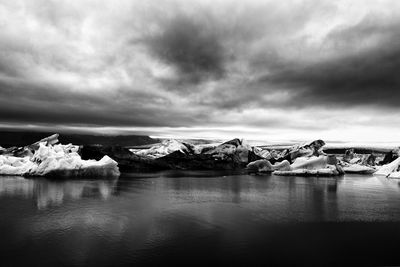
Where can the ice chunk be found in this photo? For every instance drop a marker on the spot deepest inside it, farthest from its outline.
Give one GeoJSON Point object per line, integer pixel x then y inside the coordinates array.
{"type": "Point", "coordinates": [164, 148]}
{"type": "Point", "coordinates": [387, 169]}
{"type": "Point", "coordinates": [309, 163]}
{"type": "Point", "coordinates": [264, 165]}
{"type": "Point", "coordinates": [313, 166]}
{"type": "Point", "coordinates": [263, 153]}
{"type": "Point", "coordinates": [232, 148]}
{"type": "Point", "coordinates": [10, 165]}
{"type": "Point", "coordinates": [327, 171]}
{"type": "Point", "coordinates": [50, 159]}
{"type": "Point", "coordinates": [394, 175]}
{"type": "Point", "coordinates": [358, 168]}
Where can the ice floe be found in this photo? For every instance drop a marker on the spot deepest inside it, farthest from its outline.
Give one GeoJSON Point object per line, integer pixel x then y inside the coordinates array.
{"type": "Point", "coordinates": [390, 170]}
{"type": "Point", "coordinates": [313, 166]}
{"type": "Point", "coordinates": [164, 148]}
{"type": "Point", "coordinates": [358, 169]}
{"type": "Point", "coordinates": [47, 158]}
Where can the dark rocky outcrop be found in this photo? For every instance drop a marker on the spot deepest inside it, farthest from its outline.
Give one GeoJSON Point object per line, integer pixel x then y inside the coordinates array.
{"type": "Point", "coordinates": [127, 161]}
{"type": "Point", "coordinates": [227, 156]}
{"type": "Point", "coordinates": [179, 160]}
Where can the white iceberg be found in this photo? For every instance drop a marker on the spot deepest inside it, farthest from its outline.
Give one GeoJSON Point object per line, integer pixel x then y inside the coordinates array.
{"type": "Point", "coordinates": [234, 150]}
{"type": "Point", "coordinates": [234, 147]}
{"type": "Point", "coordinates": [312, 166]}
{"type": "Point", "coordinates": [263, 165]}
{"type": "Point", "coordinates": [394, 175]}
{"type": "Point", "coordinates": [329, 170]}
{"type": "Point", "coordinates": [309, 163]}
{"type": "Point", "coordinates": [358, 169]}
{"type": "Point", "coordinates": [390, 169]}
{"type": "Point", "coordinates": [164, 148]}
{"type": "Point", "coordinates": [263, 153]}
{"type": "Point", "coordinates": [51, 159]}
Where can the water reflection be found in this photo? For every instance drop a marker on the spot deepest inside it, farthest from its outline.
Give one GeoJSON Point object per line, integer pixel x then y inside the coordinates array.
{"type": "Point", "coordinates": [153, 218]}
{"type": "Point", "coordinates": [48, 193]}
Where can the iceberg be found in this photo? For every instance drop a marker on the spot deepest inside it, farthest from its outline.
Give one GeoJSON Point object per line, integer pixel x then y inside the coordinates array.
{"type": "Point", "coordinates": [327, 171]}
{"type": "Point", "coordinates": [233, 148]}
{"type": "Point", "coordinates": [359, 169]}
{"type": "Point", "coordinates": [263, 165]}
{"type": "Point", "coordinates": [173, 154]}
{"type": "Point", "coordinates": [309, 163]}
{"type": "Point", "coordinates": [307, 159]}
{"type": "Point", "coordinates": [167, 147]}
{"type": "Point", "coordinates": [164, 148]}
{"type": "Point", "coordinates": [390, 169]}
{"type": "Point", "coordinates": [47, 158]}
{"type": "Point", "coordinates": [394, 175]}
{"type": "Point", "coordinates": [262, 153]}
{"type": "Point", "coordinates": [313, 166]}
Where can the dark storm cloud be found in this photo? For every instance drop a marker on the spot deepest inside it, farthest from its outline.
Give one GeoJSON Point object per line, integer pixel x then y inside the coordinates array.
{"type": "Point", "coordinates": [192, 47]}
{"type": "Point", "coordinates": [209, 42]}
{"type": "Point", "coordinates": [358, 76]}
{"type": "Point", "coordinates": [46, 103]}
{"type": "Point", "coordinates": [177, 63]}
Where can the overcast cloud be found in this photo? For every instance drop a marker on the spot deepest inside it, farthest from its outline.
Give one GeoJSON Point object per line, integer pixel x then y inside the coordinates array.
{"type": "Point", "coordinates": [258, 69]}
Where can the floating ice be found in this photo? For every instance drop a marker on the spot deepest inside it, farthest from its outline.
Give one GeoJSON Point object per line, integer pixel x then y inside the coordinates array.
{"type": "Point", "coordinates": [263, 165]}
{"type": "Point", "coordinates": [389, 170]}
{"type": "Point", "coordinates": [394, 175]}
{"type": "Point", "coordinates": [309, 163]}
{"type": "Point", "coordinates": [50, 159]}
{"type": "Point", "coordinates": [359, 169]}
{"type": "Point", "coordinates": [329, 170]}
{"type": "Point", "coordinates": [313, 166]}
{"type": "Point", "coordinates": [164, 148]}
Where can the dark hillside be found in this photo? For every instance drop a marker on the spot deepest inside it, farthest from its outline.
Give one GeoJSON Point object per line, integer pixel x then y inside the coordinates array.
{"type": "Point", "coordinates": [22, 138]}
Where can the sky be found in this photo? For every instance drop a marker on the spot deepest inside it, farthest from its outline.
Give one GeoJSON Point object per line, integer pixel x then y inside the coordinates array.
{"type": "Point", "coordinates": [260, 70]}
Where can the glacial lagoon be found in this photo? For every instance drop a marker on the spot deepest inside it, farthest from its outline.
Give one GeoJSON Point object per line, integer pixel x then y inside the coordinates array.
{"type": "Point", "coordinates": [199, 218]}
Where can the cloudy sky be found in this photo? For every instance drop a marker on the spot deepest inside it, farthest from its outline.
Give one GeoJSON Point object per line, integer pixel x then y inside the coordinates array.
{"type": "Point", "coordinates": [272, 70]}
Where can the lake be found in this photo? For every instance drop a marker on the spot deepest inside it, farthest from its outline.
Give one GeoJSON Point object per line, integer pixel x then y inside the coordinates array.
{"type": "Point", "coordinates": [199, 218]}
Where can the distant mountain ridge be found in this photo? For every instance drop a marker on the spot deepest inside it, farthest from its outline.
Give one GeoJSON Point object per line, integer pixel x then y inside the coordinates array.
{"type": "Point", "coordinates": [22, 138]}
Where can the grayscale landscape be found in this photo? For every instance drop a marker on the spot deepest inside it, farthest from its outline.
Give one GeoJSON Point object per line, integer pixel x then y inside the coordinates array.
{"type": "Point", "coordinates": [199, 133]}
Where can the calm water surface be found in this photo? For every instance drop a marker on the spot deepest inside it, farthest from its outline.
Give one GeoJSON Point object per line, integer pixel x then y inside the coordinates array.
{"type": "Point", "coordinates": [199, 218]}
